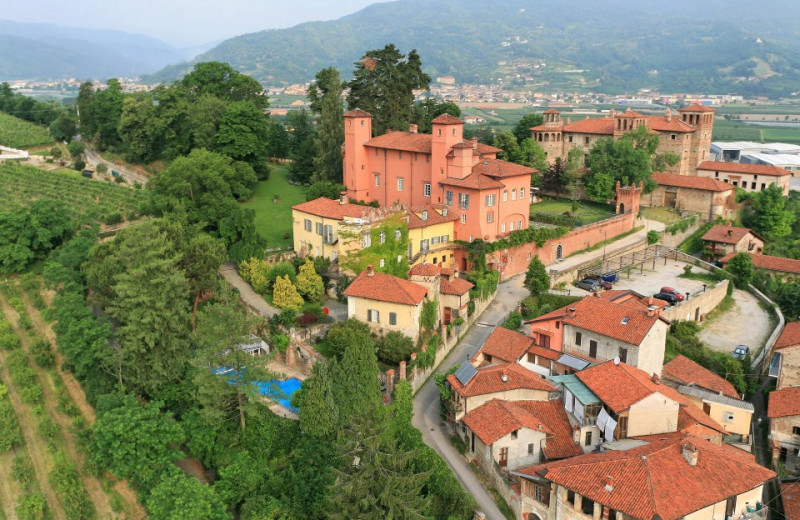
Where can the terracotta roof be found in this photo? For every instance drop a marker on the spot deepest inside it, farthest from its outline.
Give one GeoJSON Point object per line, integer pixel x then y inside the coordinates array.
{"type": "Point", "coordinates": [502, 169]}
{"type": "Point", "coordinates": [488, 381]}
{"type": "Point", "coordinates": [485, 149]}
{"type": "Point", "coordinates": [328, 208]}
{"type": "Point", "coordinates": [386, 288]}
{"type": "Point", "coordinates": [546, 353]}
{"type": "Point", "coordinates": [697, 107]}
{"type": "Point", "coordinates": [548, 126]}
{"type": "Point", "coordinates": [561, 445]}
{"type": "Point", "coordinates": [447, 119]}
{"type": "Point", "coordinates": [493, 420]}
{"type": "Point", "coordinates": [473, 181]}
{"type": "Point", "coordinates": [730, 167]}
{"type": "Point", "coordinates": [790, 336]}
{"type": "Point", "coordinates": [505, 345]}
{"type": "Point", "coordinates": [434, 216]}
{"type": "Point", "coordinates": [603, 125]}
{"type": "Point", "coordinates": [688, 424]}
{"type": "Point", "coordinates": [424, 269]}
{"type": "Point", "coordinates": [628, 114]}
{"type": "Point", "coordinates": [726, 234]}
{"type": "Point", "coordinates": [772, 263]}
{"type": "Point", "coordinates": [551, 111]}
{"type": "Point", "coordinates": [455, 286]}
{"type": "Point", "coordinates": [405, 141]}
{"type": "Point", "coordinates": [357, 112]}
{"type": "Point", "coordinates": [606, 317]}
{"type": "Point", "coordinates": [790, 495]}
{"type": "Point", "coordinates": [784, 402]}
{"type": "Point", "coordinates": [618, 386]}
{"type": "Point", "coordinates": [691, 181]}
{"type": "Point", "coordinates": [686, 371]}
{"type": "Point", "coordinates": [661, 124]}
{"type": "Point", "coordinates": [689, 414]}
{"type": "Point", "coordinates": [646, 480]}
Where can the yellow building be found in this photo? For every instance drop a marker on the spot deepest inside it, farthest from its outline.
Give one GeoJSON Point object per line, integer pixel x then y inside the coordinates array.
{"type": "Point", "coordinates": [430, 235]}
{"type": "Point", "coordinates": [316, 225]}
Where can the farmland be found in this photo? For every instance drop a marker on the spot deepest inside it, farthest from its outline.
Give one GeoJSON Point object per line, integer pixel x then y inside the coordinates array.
{"type": "Point", "coordinates": [44, 419]}
{"type": "Point", "coordinates": [17, 133]}
{"type": "Point", "coordinates": [88, 200]}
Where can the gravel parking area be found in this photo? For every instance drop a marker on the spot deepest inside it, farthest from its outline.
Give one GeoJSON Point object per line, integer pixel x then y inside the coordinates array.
{"type": "Point", "coordinates": [650, 281]}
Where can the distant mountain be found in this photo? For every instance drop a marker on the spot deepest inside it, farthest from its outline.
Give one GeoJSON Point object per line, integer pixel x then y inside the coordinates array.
{"type": "Point", "coordinates": [50, 52]}
{"type": "Point", "coordinates": [606, 45]}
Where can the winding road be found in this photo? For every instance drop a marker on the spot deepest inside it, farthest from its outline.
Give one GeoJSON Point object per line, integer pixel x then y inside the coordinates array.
{"type": "Point", "coordinates": [128, 174]}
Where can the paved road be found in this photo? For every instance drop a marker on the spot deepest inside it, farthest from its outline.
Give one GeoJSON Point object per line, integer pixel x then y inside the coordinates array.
{"type": "Point", "coordinates": [251, 298]}
{"type": "Point", "coordinates": [128, 174]}
{"type": "Point", "coordinates": [745, 323]}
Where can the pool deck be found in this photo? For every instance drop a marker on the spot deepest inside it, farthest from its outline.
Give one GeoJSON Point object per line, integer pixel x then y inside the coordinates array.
{"type": "Point", "coordinates": [279, 410]}
{"type": "Point", "coordinates": [281, 369]}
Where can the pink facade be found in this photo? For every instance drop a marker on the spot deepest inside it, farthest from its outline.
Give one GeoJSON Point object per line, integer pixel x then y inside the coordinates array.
{"type": "Point", "coordinates": [490, 196]}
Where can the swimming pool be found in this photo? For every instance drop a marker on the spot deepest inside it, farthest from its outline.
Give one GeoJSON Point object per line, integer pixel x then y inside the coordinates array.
{"type": "Point", "coordinates": [281, 391]}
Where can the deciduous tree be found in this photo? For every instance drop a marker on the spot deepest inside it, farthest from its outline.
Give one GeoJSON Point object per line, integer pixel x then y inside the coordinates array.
{"type": "Point", "coordinates": [742, 268]}
{"type": "Point", "coordinates": [181, 497]}
{"type": "Point", "coordinates": [522, 130]}
{"type": "Point", "coordinates": [770, 213]}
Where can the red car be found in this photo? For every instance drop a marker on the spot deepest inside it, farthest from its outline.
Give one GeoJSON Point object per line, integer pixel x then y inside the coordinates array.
{"type": "Point", "coordinates": [676, 294]}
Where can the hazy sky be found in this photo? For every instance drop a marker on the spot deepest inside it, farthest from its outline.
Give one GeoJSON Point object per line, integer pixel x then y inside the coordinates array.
{"type": "Point", "coordinates": [180, 22]}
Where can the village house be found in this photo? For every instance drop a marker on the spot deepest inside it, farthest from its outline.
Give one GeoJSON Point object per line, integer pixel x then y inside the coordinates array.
{"type": "Point", "coordinates": [707, 198]}
{"type": "Point", "coordinates": [431, 235]}
{"type": "Point", "coordinates": [749, 177]}
{"type": "Point", "coordinates": [723, 239]}
{"type": "Point", "coordinates": [790, 499]}
{"type": "Point", "coordinates": [688, 135]}
{"type": "Point", "coordinates": [386, 303]}
{"type": "Point", "coordinates": [716, 396]}
{"type": "Point", "coordinates": [783, 411]}
{"type": "Point", "coordinates": [616, 324]}
{"type": "Point", "coordinates": [472, 387]}
{"type": "Point", "coordinates": [510, 434]}
{"type": "Point", "coordinates": [664, 477]}
{"type": "Point", "coordinates": [490, 195]}
{"type": "Point", "coordinates": [451, 292]}
{"type": "Point", "coordinates": [778, 266]}
{"type": "Point", "coordinates": [785, 363]}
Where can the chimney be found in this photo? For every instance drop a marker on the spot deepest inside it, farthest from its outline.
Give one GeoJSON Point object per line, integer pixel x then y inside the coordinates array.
{"type": "Point", "coordinates": [690, 453]}
{"type": "Point", "coordinates": [730, 233]}
{"type": "Point", "coordinates": [343, 198]}
{"type": "Point", "coordinates": [370, 270]}
{"type": "Point", "coordinates": [655, 379]}
{"type": "Point", "coordinates": [413, 128]}
{"type": "Point", "coordinates": [668, 115]}
{"type": "Point", "coordinates": [651, 310]}
{"type": "Point", "coordinates": [503, 376]}
{"type": "Point", "coordinates": [609, 484]}
{"type": "Point", "coordinates": [572, 312]}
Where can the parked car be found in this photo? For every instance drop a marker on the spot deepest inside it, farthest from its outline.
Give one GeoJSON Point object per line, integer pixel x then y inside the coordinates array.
{"type": "Point", "coordinates": [669, 298]}
{"type": "Point", "coordinates": [670, 290]}
{"type": "Point", "coordinates": [603, 283]}
{"type": "Point", "coordinates": [740, 352]}
{"type": "Point", "coordinates": [611, 277]}
{"type": "Point", "coordinates": [588, 284]}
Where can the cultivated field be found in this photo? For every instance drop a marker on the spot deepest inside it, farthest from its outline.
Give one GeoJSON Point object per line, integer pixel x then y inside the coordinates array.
{"type": "Point", "coordinates": [16, 133]}
{"type": "Point", "coordinates": [88, 200]}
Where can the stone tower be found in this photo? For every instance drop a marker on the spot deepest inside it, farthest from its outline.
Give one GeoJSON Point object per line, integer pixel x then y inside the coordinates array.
{"type": "Point", "coordinates": [549, 135]}
{"type": "Point", "coordinates": [628, 198]}
{"type": "Point", "coordinates": [701, 118]}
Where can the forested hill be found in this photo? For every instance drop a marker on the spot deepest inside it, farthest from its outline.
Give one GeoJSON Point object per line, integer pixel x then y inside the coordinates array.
{"type": "Point", "coordinates": [683, 45]}
{"type": "Point", "coordinates": [33, 51]}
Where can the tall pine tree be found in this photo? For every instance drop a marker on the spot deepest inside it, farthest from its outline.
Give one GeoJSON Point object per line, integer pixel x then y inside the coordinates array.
{"type": "Point", "coordinates": [327, 96]}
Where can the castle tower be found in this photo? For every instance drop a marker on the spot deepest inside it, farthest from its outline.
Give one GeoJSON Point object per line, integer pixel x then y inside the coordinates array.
{"type": "Point", "coordinates": [447, 130]}
{"type": "Point", "coordinates": [549, 135]}
{"type": "Point", "coordinates": [627, 121]}
{"type": "Point", "coordinates": [357, 131]}
{"type": "Point", "coordinates": [629, 198]}
{"type": "Point", "coordinates": [701, 118]}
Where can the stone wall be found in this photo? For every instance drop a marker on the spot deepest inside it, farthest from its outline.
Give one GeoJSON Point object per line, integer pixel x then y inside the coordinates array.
{"type": "Point", "coordinates": [670, 240]}
{"type": "Point", "coordinates": [699, 304]}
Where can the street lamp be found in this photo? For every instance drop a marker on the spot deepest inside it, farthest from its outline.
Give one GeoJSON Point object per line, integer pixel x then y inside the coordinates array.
{"type": "Point", "coordinates": [605, 234]}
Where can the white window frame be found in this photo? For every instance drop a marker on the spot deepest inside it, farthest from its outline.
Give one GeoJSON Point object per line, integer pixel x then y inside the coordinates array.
{"type": "Point", "coordinates": [377, 180]}
{"type": "Point", "coordinates": [426, 189]}
{"type": "Point", "coordinates": [373, 316]}
{"type": "Point", "coordinates": [511, 226]}
{"type": "Point", "coordinates": [521, 193]}
{"type": "Point", "coordinates": [463, 200]}
{"type": "Point", "coordinates": [505, 195]}
{"type": "Point", "coordinates": [503, 227]}
{"type": "Point", "coordinates": [367, 239]}
{"type": "Point", "coordinates": [513, 194]}
{"type": "Point", "coordinates": [463, 219]}
{"type": "Point", "coordinates": [382, 237]}
{"type": "Point", "coordinates": [401, 184]}
{"type": "Point", "coordinates": [397, 234]}
{"type": "Point", "coordinates": [490, 217]}
{"type": "Point", "coordinates": [382, 263]}
{"type": "Point", "coordinates": [448, 197]}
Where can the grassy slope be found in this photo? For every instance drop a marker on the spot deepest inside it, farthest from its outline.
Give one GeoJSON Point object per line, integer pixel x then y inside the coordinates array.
{"type": "Point", "coordinates": [16, 133]}
{"type": "Point", "coordinates": [587, 211]}
{"type": "Point", "coordinates": [272, 219]}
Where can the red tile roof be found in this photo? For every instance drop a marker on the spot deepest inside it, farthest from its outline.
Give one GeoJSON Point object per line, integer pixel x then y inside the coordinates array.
{"type": "Point", "coordinates": [690, 416]}
{"type": "Point", "coordinates": [328, 208]}
{"type": "Point", "coordinates": [488, 381]}
{"type": "Point", "coordinates": [447, 119]}
{"type": "Point", "coordinates": [501, 169]}
{"type": "Point", "coordinates": [493, 420]}
{"type": "Point", "coordinates": [434, 216]}
{"type": "Point", "coordinates": [772, 263]}
{"type": "Point", "coordinates": [405, 141]}
{"type": "Point", "coordinates": [647, 480]}
{"type": "Point", "coordinates": [661, 124]}
{"type": "Point", "coordinates": [697, 107]}
{"type": "Point", "coordinates": [618, 386]}
{"type": "Point", "coordinates": [630, 114]}
{"type": "Point", "coordinates": [357, 112]}
{"type": "Point", "coordinates": [726, 234]}
{"type": "Point", "coordinates": [689, 425]}
{"type": "Point", "coordinates": [551, 111]}
{"type": "Point", "coordinates": [784, 402]}
{"type": "Point", "coordinates": [691, 181]}
{"type": "Point", "coordinates": [424, 269]}
{"type": "Point", "coordinates": [386, 288]}
{"type": "Point", "coordinates": [603, 125]}
{"type": "Point", "coordinates": [686, 371]}
{"type": "Point", "coordinates": [505, 345]}
{"type": "Point", "coordinates": [790, 494]}
{"type": "Point", "coordinates": [546, 353]}
{"type": "Point", "coordinates": [730, 167]}
{"type": "Point", "coordinates": [790, 336]}
{"type": "Point", "coordinates": [484, 149]}
{"type": "Point", "coordinates": [473, 181]}
{"type": "Point", "coordinates": [455, 286]}
{"type": "Point", "coordinates": [606, 317]}
{"type": "Point", "coordinates": [561, 445]}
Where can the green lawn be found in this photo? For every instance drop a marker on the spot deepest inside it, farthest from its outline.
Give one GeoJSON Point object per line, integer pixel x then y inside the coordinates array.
{"type": "Point", "coordinates": [588, 211]}
{"type": "Point", "coordinates": [274, 219]}
{"type": "Point", "coordinates": [661, 215]}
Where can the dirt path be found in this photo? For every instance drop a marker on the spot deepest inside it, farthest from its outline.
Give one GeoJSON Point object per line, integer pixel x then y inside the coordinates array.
{"type": "Point", "coordinates": [9, 489]}
{"type": "Point", "coordinates": [93, 486]}
{"type": "Point", "coordinates": [745, 323]}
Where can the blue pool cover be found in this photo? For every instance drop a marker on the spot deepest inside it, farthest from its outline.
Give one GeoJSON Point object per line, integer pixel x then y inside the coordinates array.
{"type": "Point", "coordinates": [280, 391]}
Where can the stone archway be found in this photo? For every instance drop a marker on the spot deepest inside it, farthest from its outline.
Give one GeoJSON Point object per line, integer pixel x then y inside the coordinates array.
{"type": "Point", "coordinates": [559, 252]}
{"type": "Point", "coordinates": [621, 208]}
{"type": "Point", "coordinates": [533, 516]}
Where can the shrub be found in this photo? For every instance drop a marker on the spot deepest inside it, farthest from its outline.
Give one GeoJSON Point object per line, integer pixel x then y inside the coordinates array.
{"type": "Point", "coordinates": [32, 506]}
{"type": "Point", "coordinates": [113, 218]}
{"type": "Point", "coordinates": [285, 295]}
{"type": "Point", "coordinates": [22, 470]}
{"type": "Point", "coordinates": [513, 322]}
{"type": "Point", "coordinates": [79, 165]}
{"type": "Point", "coordinates": [309, 283]}
{"type": "Point", "coordinates": [10, 433]}
{"type": "Point", "coordinates": [256, 272]}
{"type": "Point", "coordinates": [280, 342]}
{"type": "Point", "coordinates": [281, 269]}
{"type": "Point", "coordinates": [42, 353]}
{"type": "Point", "coordinates": [102, 168]}
{"type": "Point", "coordinates": [395, 347]}
{"type": "Point", "coordinates": [652, 237]}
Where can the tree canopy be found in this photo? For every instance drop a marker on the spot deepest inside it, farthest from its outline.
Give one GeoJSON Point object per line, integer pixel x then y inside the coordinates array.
{"type": "Point", "coordinates": [770, 213]}
{"type": "Point", "coordinates": [325, 95]}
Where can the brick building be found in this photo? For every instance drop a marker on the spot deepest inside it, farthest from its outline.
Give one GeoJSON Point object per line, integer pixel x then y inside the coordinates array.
{"type": "Point", "coordinates": [688, 135]}
{"type": "Point", "coordinates": [749, 177]}
{"type": "Point", "coordinates": [707, 198]}
{"type": "Point", "coordinates": [721, 240]}
{"type": "Point", "coordinates": [785, 268]}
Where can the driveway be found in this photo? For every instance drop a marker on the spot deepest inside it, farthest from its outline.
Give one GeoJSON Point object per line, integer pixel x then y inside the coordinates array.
{"type": "Point", "coordinates": [427, 417]}
{"type": "Point", "coordinates": [251, 298]}
{"type": "Point", "coordinates": [127, 173]}
{"type": "Point", "coordinates": [745, 323]}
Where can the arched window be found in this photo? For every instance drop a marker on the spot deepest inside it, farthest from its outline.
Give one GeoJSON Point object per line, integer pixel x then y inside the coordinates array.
{"type": "Point", "coordinates": [559, 252]}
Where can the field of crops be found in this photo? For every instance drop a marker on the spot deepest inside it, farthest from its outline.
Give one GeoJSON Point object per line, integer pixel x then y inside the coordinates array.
{"type": "Point", "coordinates": [17, 133]}
{"type": "Point", "coordinates": [88, 200]}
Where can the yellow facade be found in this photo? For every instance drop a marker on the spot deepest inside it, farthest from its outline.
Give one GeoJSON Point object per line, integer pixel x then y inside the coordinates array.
{"type": "Point", "coordinates": [438, 238]}
{"type": "Point", "coordinates": [734, 420]}
{"type": "Point", "coordinates": [379, 316]}
{"type": "Point", "coordinates": [311, 237]}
